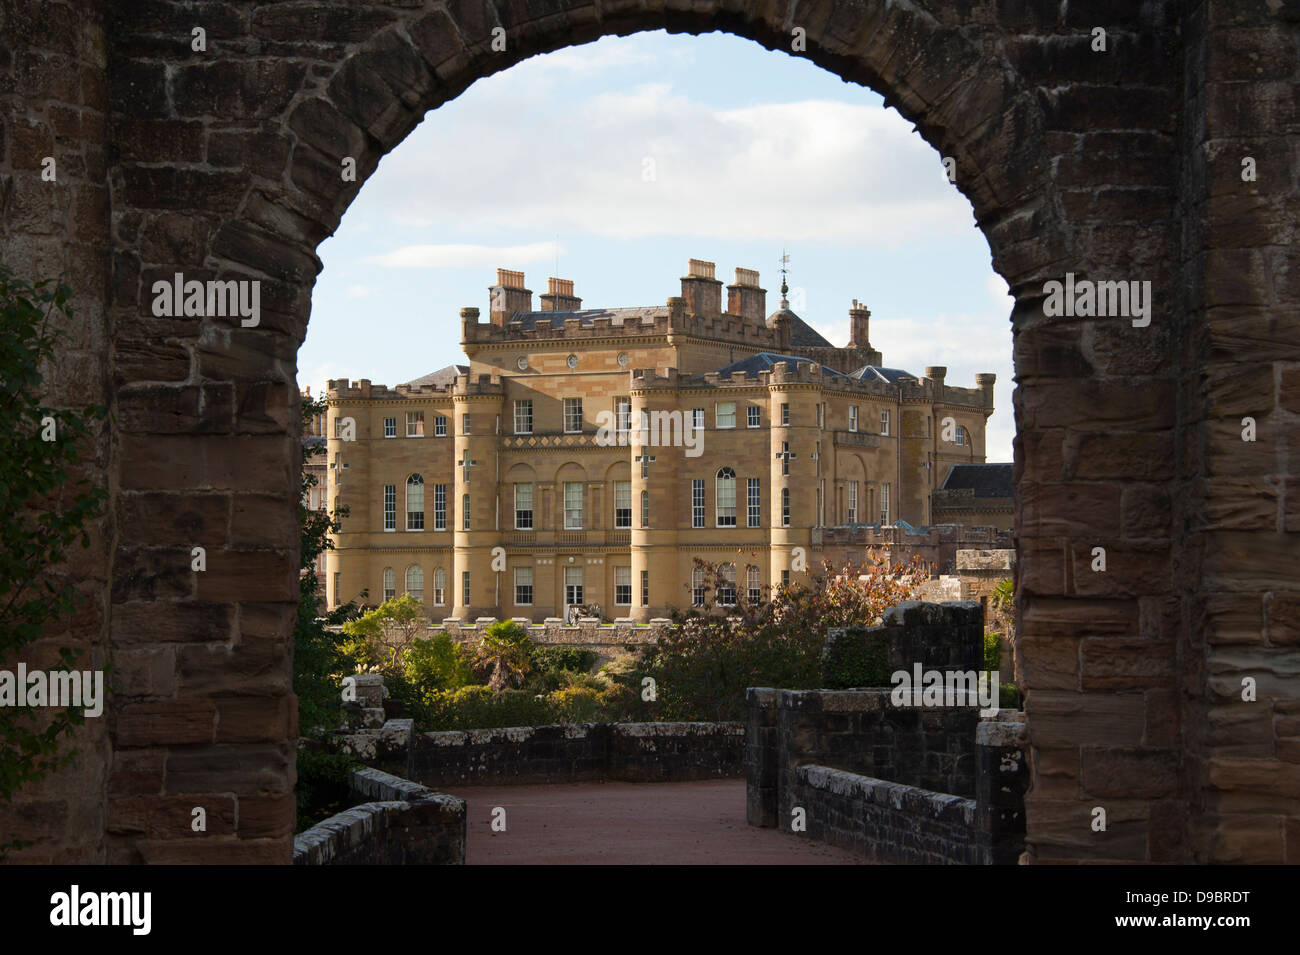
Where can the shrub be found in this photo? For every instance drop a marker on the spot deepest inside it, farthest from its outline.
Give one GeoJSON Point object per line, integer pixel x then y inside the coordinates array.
{"type": "Point", "coordinates": [323, 784]}
{"type": "Point", "coordinates": [563, 658]}
{"type": "Point", "coordinates": [992, 651]}
{"type": "Point", "coordinates": [703, 666]}
{"type": "Point", "coordinates": [437, 663]}
{"type": "Point", "coordinates": [577, 704]}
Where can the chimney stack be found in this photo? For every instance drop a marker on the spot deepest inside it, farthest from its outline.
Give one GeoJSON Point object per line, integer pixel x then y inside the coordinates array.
{"type": "Point", "coordinates": [745, 298]}
{"type": "Point", "coordinates": [559, 296]}
{"type": "Point", "coordinates": [509, 296]}
{"type": "Point", "coordinates": [859, 316]}
{"type": "Point", "coordinates": [702, 292]}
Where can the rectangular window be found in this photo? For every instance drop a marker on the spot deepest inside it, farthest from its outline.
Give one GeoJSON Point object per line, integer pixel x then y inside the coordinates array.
{"type": "Point", "coordinates": [390, 507]}
{"type": "Point", "coordinates": [572, 415]}
{"type": "Point", "coordinates": [853, 417]}
{"type": "Point", "coordinates": [415, 424]}
{"type": "Point", "coordinates": [697, 502]}
{"type": "Point", "coordinates": [753, 588]}
{"type": "Point", "coordinates": [752, 503]}
{"type": "Point", "coordinates": [390, 427]}
{"type": "Point", "coordinates": [440, 427]}
{"type": "Point", "coordinates": [785, 415]}
{"type": "Point", "coordinates": [884, 503]}
{"type": "Point", "coordinates": [785, 457]}
{"type": "Point", "coordinates": [884, 422]}
{"type": "Point", "coordinates": [645, 508]}
{"type": "Point", "coordinates": [464, 587]}
{"type": "Point", "coordinates": [726, 501]}
{"type": "Point", "coordinates": [523, 507]}
{"type": "Point", "coordinates": [623, 415]}
{"type": "Point", "coordinates": [725, 414]}
{"type": "Point", "coordinates": [390, 584]}
{"type": "Point", "coordinates": [573, 587]}
{"type": "Point", "coordinates": [785, 507]}
{"type": "Point", "coordinates": [523, 586]}
{"type": "Point", "coordinates": [573, 505]}
{"type": "Point", "coordinates": [727, 586]}
{"type": "Point", "coordinates": [623, 586]}
{"type": "Point", "coordinates": [753, 417]}
{"type": "Point", "coordinates": [697, 419]}
{"type": "Point", "coordinates": [785, 578]}
{"type": "Point", "coordinates": [524, 417]}
{"type": "Point", "coordinates": [622, 504]}
{"type": "Point", "coordinates": [440, 507]}
{"type": "Point", "coordinates": [464, 500]}
{"type": "Point", "coordinates": [853, 502]}
{"type": "Point", "coordinates": [645, 588]}
{"type": "Point", "coordinates": [415, 503]}
{"type": "Point", "coordinates": [338, 588]}
{"type": "Point", "coordinates": [439, 587]}
{"type": "Point", "coordinates": [464, 423]}
{"type": "Point", "coordinates": [821, 416]}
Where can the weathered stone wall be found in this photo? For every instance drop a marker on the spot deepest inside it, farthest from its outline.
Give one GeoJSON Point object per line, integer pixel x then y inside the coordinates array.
{"type": "Point", "coordinates": [405, 824]}
{"type": "Point", "coordinates": [1122, 165]}
{"type": "Point", "coordinates": [896, 784]}
{"type": "Point", "coordinates": [579, 752]}
{"type": "Point", "coordinates": [946, 636]}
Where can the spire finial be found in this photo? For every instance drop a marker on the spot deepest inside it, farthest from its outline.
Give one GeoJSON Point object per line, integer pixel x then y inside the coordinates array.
{"type": "Point", "coordinates": [785, 261]}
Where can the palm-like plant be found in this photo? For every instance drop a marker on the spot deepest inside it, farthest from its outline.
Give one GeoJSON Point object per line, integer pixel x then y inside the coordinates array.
{"type": "Point", "coordinates": [505, 654]}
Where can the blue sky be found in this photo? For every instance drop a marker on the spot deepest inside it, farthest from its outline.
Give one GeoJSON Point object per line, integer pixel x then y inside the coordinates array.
{"type": "Point", "coordinates": [631, 155]}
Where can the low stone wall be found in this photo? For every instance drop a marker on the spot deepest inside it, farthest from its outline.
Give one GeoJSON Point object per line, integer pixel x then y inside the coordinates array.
{"type": "Point", "coordinates": [887, 822]}
{"type": "Point", "coordinates": [579, 752]}
{"type": "Point", "coordinates": [587, 633]}
{"type": "Point", "coordinates": [406, 824]}
{"type": "Point", "coordinates": [927, 784]}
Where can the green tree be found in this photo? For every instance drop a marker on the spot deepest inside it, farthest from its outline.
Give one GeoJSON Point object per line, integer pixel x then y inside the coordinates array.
{"type": "Point", "coordinates": [42, 512]}
{"type": "Point", "coordinates": [319, 663]}
{"type": "Point", "coordinates": [383, 635]}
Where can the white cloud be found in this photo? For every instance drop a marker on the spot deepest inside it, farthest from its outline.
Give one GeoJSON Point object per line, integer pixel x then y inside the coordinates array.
{"type": "Point", "coordinates": [815, 169]}
{"type": "Point", "coordinates": [462, 256]}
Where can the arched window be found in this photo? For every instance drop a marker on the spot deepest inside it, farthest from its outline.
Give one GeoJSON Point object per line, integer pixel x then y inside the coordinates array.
{"type": "Point", "coordinates": [727, 585]}
{"type": "Point", "coordinates": [726, 498]}
{"type": "Point", "coordinates": [440, 587]}
{"type": "Point", "coordinates": [390, 583]}
{"type": "Point", "coordinates": [415, 503]}
{"type": "Point", "coordinates": [415, 582]}
{"type": "Point", "coordinates": [697, 587]}
{"type": "Point", "coordinates": [962, 434]}
{"type": "Point", "coordinates": [753, 585]}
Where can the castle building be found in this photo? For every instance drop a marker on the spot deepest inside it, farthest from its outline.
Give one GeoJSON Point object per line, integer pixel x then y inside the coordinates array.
{"type": "Point", "coordinates": [588, 456]}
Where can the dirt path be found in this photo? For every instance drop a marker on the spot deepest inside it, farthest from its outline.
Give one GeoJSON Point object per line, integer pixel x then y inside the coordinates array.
{"type": "Point", "coordinates": [630, 824]}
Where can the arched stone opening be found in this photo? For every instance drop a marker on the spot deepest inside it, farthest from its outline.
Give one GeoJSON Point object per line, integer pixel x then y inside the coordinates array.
{"type": "Point", "coordinates": [228, 164]}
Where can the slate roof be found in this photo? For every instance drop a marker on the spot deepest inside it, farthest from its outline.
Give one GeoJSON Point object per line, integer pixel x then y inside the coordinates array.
{"type": "Point", "coordinates": [876, 373]}
{"type": "Point", "coordinates": [986, 480]}
{"type": "Point", "coordinates": [765, 361]}
{"type": "Point", "coordinates": [440, 378]}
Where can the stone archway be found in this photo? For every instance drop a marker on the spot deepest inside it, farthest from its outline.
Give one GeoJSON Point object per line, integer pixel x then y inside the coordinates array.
{"type": "Point", "coordinates": [227, 163]}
